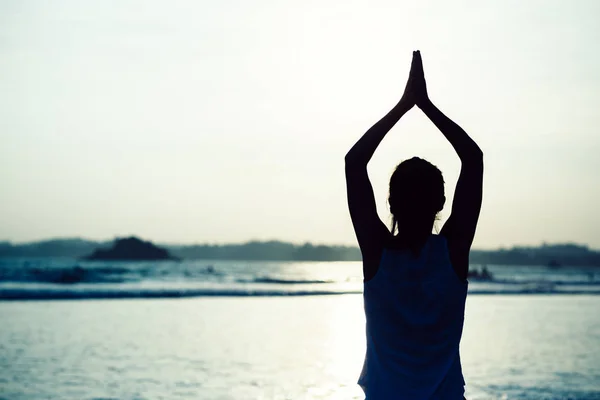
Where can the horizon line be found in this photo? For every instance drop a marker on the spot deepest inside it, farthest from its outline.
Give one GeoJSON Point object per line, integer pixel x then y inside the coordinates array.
{"type": "Point", "coordinates": [513, 246]}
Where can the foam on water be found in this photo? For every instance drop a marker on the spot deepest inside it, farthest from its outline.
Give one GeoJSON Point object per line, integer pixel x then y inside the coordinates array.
{"type": "Point", "coordinates": [55, 278]}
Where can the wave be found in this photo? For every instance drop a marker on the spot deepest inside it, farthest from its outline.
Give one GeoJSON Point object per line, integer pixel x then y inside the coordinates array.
{"type": "Point", "coordinates": [281, 281]}
{"type": "Point", "coordinates": [538, 282]}
{"type": "Point", "coordinates": [73, 293]}
{"type": "Point", "coordinates": [76, 274]}
{"type": "Point", "coordinates": [52, 294]}
{"type": "Point", "coordinates": [541, 290]}
{"type": "Point", "coordinates": [66, 275]}
{"type": "Point", "coordinates": [68, 279]}
{"type": "Point", "coordinates": [69, 275]}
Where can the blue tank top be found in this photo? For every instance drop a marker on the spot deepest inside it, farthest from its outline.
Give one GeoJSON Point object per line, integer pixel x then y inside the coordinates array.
{"type": "Point", "coordinates": [414, 308]}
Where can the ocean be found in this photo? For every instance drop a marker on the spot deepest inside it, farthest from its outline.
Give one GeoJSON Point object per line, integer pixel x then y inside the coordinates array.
{"type": "Point", "coordinates": [272, 330]}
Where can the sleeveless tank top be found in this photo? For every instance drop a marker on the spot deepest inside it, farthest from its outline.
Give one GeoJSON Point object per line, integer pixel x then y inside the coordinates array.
{"type": "Point", "coordinates": [414, 308]}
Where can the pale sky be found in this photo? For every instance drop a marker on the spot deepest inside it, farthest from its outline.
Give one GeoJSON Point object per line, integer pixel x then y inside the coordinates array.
{"type": "Point", "coordinates": [226, 121]}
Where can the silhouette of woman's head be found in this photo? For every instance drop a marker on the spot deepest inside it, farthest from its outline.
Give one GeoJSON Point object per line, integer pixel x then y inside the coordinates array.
{"type": "Point", "coordinates": [416, 195]}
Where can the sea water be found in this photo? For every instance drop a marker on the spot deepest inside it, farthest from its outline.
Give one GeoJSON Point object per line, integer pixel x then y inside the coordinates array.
{"type": "Point", "coordinates": [271, 331]}
{"type": "Point", "coordinates": [65, 278]}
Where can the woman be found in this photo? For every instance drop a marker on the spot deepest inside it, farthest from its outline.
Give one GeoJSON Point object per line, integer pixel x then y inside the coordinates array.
{"type": "Point", "coordinates": [415, 283]}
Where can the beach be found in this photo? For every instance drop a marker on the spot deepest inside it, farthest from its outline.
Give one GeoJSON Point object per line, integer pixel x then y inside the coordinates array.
{"type": "Point", "coordinates": [265, 347]}
{"type": "Point", "coordinates": [189, 190]}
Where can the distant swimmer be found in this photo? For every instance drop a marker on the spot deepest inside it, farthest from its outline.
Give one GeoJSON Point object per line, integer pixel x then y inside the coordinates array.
{"type": "Point", "coordinates": [485, 273]}
{"type": "Point", "coordinates": [415, 283]}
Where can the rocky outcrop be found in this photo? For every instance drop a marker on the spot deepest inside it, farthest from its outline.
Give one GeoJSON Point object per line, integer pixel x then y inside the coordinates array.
{"type": "Point", "coordinates": [131, 249]}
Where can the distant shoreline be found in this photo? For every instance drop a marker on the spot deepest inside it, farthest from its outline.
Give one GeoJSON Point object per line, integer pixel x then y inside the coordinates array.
{"type": "Point", "coordinates": [554, 255]}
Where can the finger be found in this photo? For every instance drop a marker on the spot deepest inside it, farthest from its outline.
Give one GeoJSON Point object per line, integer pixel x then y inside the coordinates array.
{"type": "Point", "coordinates": [419, 61]}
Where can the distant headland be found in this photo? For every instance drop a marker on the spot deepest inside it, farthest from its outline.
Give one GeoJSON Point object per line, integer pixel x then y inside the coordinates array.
{"type": "Point", "coordinates": [551, 255]}
{"type": "Point", "coordinates": [130, 249]}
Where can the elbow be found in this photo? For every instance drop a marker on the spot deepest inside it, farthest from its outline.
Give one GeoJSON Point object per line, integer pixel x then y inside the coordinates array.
{"type": "Point", "coordinates": [349, 164]}
{"type": "Point", "coordinates": [351, 159]}
{"type": "Point", "coordinates": [478, 159]}
{"type": "Point", "coordinates": [473, 158]}
{"type": "Point", "coordinates": [475, 151]}
{"type": "Point", "coordinates": [353, 163]}
{"type": "Point", "coordinates": [350, 156]}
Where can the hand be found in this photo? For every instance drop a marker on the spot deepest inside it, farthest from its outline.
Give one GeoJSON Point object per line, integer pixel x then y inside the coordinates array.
{"type": "Point", "coordinates": [408, 99]}
{"type": "Point", "coordinates": [417, 80]}
{"type": "Point", "coordinates": [416, 90]}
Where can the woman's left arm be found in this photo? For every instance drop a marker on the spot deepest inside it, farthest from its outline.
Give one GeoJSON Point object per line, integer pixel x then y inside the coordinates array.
{"type": "Point", "coordinates": [460, 227]}
{"type": "Point", "coordinates": [468, 195]}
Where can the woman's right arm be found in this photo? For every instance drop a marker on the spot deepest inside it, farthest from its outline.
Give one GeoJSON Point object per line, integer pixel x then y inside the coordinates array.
{"type": "Point", "coordinates": [370, 231]}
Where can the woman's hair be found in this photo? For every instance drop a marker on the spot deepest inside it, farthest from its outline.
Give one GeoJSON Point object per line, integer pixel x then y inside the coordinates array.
{"type": "Point", "coordinates": [416, 193]}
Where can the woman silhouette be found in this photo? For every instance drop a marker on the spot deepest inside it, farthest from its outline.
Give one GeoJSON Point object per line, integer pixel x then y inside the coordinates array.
{"type": "Point", "coordinates": [415, 283]}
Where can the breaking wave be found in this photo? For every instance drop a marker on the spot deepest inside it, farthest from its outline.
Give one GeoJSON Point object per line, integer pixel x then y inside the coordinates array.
{"type": "Point", "coordinates": [61, 279]}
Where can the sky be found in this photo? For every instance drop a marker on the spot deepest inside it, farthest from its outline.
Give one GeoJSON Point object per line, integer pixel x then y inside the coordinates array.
{"type": "Point", "coordinates": [220, 122]}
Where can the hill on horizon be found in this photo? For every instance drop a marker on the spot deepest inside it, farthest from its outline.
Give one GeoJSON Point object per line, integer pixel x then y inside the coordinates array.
{"type": "Point", "coordinates": [562, 254]}
{"type": "Point", "coordinates": [130, 249]}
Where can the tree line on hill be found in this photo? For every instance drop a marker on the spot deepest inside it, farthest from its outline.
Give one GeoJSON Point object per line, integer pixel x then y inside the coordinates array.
{"type": "Point", "coordinates": [555, 255]}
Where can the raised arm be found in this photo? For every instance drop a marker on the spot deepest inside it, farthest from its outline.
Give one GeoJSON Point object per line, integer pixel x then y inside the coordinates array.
{"type": "Point", "coordinates": [460, 227]}
{"type": "Point", "coordinates": [370, 231]}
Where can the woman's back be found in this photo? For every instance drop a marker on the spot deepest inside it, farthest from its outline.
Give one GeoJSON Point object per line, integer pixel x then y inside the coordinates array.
{"type": "Point", "coordinates": [414, 308]}
{"type": "Point", "coordinates": [414, 298]}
